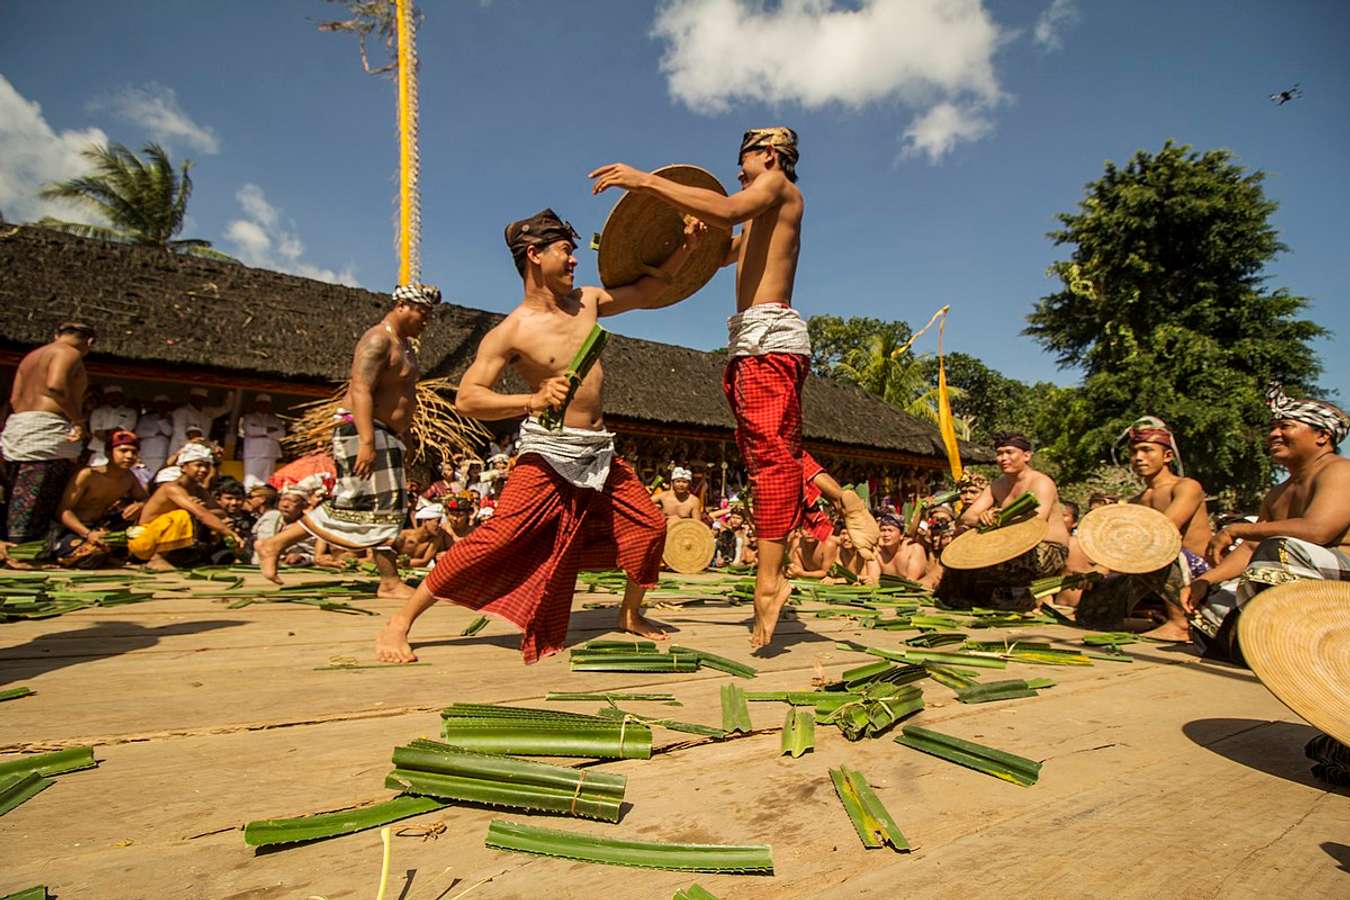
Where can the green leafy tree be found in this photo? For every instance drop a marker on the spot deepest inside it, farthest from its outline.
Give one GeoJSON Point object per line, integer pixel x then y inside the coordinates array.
{"type": "Point", "coordinates": [833, 338]}
{"type": "Point", "coordinates": [1166, 310]}
{"type": "Point", "coordinates": [884, 366]}
{"type": "Point", "coordinates": [143, 201]}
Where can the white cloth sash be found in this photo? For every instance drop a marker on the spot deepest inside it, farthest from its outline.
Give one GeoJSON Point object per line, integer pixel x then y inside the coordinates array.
{"type": "Point", "coordinates": [768, 328]}
{"type": "Point", "coordinates": [579, 455]}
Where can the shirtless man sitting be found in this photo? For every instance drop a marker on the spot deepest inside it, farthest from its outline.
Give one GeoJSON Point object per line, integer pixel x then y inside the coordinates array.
{"type": "Point", "coordinates": [100, 499]}
{"type": "Point", "coordinates": [678, 502]}
{"type": "Point", "coordinates": [178, 520]}
{"type": "Point", "coordinates": [809, 556]}
{"type": "Point", "coordinates": [897, 553]}
{"type": "Point", "coordinates": [864, 569]}
{"type": "Point", "coordinates": [426, 539]}
{"type": "Point", "coordinates": [1154, 452]}
{"type": "Point", "coordinates": [1302, 532]}
{"type": "Point", "coordinates": [570, 502]}
{"type": "Point", "coordinates": [1000, 586]}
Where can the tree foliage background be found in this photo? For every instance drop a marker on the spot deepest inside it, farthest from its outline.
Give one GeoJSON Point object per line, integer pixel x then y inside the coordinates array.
{"type": "Point", "coordinates": [1164, 306]}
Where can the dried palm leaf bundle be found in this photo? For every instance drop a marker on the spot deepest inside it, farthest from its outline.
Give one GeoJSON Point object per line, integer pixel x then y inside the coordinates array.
{"type": "Point", "coordinates": [436, 429]}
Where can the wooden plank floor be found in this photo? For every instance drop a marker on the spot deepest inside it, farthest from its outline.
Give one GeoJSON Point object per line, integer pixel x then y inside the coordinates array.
{"type": "Point", "coordinates": [1168, 777]}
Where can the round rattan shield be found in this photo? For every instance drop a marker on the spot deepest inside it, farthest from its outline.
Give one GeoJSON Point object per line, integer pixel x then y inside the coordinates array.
{"type": "Point", "coordinates": [1129, 538]}
{"type": "Point", "coordinates": [979, 549]}
{"type": "Point", "coordinates": [689, 546]}
{"type": "Point", "coordinates": [642, 231]}
{"type": "Point", "coordinates": [1296, 638]}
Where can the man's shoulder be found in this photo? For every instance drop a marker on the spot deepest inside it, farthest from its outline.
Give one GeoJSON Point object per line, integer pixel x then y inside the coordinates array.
{"type": "Point", "coordinates": [1337, 470]}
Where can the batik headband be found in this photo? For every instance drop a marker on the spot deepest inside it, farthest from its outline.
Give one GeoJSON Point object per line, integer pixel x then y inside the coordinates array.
{"type": "Point", "coordinates": [1316, 413]}
{"type": "Point", "coordinates": [779, 138]}
{"type": "Point", "coordinates": [421, 294]}
{"type": "Point", "coordinates": [1012, 439]}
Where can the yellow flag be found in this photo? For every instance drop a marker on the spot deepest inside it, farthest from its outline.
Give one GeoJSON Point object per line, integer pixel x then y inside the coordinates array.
{"type": "Point", "coordinates": [946, 425]}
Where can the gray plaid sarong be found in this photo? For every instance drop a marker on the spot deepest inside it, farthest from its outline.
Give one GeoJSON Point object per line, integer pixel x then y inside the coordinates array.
{"type": "Point", "coordinates": [363, 512]}
{"type": "Point", "coordinates": [1277, 560]}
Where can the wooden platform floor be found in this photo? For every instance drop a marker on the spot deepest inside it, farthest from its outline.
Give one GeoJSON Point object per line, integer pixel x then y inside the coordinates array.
{"type": "Point", "coordinates": [1167, 777]}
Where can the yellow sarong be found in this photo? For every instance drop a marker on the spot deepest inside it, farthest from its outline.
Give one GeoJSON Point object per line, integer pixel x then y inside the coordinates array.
{"type": "Point", "coordinates": [171, 531]}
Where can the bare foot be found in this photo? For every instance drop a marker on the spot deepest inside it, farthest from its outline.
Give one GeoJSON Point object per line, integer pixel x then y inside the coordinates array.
{"type": "Point", "coordinates": [269, 554]}
{"type": "Point", "coordinates": [862, 528]}
{"type": "Point", "coordinates": [635, 623]}
{"type": "Point", "coordinates": [158, 563]}
{"type": "Point", "coordinates": [766, 616]}
{"type": "Point", "coordinates": [1170, 631]}
{"type": "Point", "coordinates": [395, 590]}
{"type": "Point", "coordinates": [391, 644]}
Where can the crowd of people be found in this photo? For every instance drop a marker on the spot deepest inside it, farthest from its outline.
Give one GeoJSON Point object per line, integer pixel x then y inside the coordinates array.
{"type": "Point", "coordinates": [507, 535]}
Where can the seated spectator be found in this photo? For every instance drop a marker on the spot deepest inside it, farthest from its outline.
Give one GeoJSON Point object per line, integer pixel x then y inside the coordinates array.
{"type": "Point", "coordinates": [458, 523]}
{"type": "Point", "coordinates": [809, 556]}
{"type": "Point", "coordinates": [230, 495]}
{"type": "Point", "coordinates": [448, 484]}
{"type": "Point", "coordinates": [262, 501]}
{"type": "Point", "coordinates": [98, 500]}
{"type": "Point", "coordinates": [730, 539]}
{"type": "Point", "coordinates": [331, 556]}
{"type": "Point", "coordinates": [897, 553]}
{"type": "Point", "coordinates": [181, 524]}
{"type": "Point", "coordinates": [291, 507]}
{"type": "Point", "coordinates": [866, 571]}
{"type": "Point", "coordinates": [425, 539]}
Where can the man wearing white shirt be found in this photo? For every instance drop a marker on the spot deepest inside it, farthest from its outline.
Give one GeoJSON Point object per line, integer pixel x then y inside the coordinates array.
{"type": "Point", "coordinates": [154, 428]}
{"type": "Point", "coordinates": [262, 431]}
{"type": "Point", "coordinates": [113, 414]}
{"type": "Point", "coordinates": [194, 412]}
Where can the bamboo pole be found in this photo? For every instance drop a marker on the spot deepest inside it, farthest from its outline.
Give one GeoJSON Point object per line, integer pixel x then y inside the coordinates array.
{"type": "Point", "coordinates": [410, 214]}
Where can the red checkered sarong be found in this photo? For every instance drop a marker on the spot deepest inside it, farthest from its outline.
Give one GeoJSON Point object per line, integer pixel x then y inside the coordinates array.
{"type": "Point", "coordinates": [765, 393]}
{"type": "Point", "coordinates": [522, 563]}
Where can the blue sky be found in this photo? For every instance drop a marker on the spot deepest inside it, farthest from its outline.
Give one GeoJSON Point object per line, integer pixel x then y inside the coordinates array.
{"type": "Point", "coordinates": [295, 147]}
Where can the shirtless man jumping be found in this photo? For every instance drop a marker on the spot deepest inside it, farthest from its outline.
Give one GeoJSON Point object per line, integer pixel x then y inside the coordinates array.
{"type": "Point", "coordinates": [770, 354]}
{"type": "Point", "coordinates": [369, 502]}
{"type": "Point", "coordinates": [570, 503]}
{"type": "Point", "coordinates": [45, 431]}
{"type": "Point", "coordinates": [678, 502]}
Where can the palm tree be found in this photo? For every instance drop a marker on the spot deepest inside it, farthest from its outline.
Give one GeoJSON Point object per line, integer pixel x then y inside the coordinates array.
{"type": "Point", "coordinates": [886, 369]}
{"type": "Point", "coordinates": [143, 202]}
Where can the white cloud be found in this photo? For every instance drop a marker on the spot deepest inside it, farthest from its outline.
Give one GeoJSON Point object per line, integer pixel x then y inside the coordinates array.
{"type": "Point", "coordinates": [937, 131]}
{"type": "Point", "coordinates": [32, 153]}
{"type": "Point", "coordinates": [1052, 21]}
{"type": "Point", "coordinates": [927, 55]}
{"type": "Point", "coordinates": [261, 239]}
{"type": "Point", "coordinates": [155, 108]}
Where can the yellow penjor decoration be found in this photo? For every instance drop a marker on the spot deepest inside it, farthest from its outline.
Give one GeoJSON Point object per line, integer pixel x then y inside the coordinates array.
{"type": "Point", "coordinates": [946, 424]}
{"type": "Point", "coordinates": [409, 162]}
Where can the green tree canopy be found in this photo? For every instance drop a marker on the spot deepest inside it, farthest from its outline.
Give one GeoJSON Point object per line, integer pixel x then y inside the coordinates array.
{"type": "Point", "coordinates": [833, 338]}
{"type": "Point", "coordinates": [1165, 308]}
{"type": "Point", "coordinates": [143, 201]}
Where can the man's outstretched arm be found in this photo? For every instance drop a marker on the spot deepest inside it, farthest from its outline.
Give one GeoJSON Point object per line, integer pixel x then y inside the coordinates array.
{"type": "Point", "coordinates": [717, 210]}
{"type": "Point", "coordinates": [645, 293]}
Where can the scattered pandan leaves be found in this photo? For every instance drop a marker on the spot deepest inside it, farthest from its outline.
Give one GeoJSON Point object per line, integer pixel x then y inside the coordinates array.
{"type": "Point", "coordinates": [474, 627]}
{"type": "Point", "coordinates": [735, 714]}
{"type": "Point", "coordinates": [58, 762]}
{"type": "Point", "coordinates": [1007, 766]}
{"type": "Point", "coordinates": [754, 858]}
{"type": "Point", "coordinates": [799, 731]}
{"type": "Point", "coordinates": [15, 693]}
{"type": "Point", "coordinates": [268, 832]}
{"type": "Point", "coordinates": [694, 892]}
{"type": "Point", "coordinates": [870, 818]}
{"type": "Point", "coordinates": [20, 788]}
{"type": "Point", "coordinates": [713, 661]}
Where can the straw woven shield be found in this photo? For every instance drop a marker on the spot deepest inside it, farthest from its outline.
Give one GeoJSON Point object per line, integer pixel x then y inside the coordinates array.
{"type": "Point", "coordinates": [1129, 538]}
{"type": "Point", "coordinates": [689, 546]}
{"type": "Point", "coordinates": [981, 549]}
{"type": "Point", "coordinates": [1296, 638]}
{"type": "Point", "coordinates": [642, 231]}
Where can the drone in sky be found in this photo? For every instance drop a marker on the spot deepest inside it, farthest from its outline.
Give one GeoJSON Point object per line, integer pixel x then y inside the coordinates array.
{"type": "Point", "coordinates": [1284, 96]}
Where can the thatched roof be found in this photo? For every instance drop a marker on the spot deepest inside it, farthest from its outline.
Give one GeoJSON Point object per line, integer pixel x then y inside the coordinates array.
{"type": "Point", "coordinates": [167, 309]}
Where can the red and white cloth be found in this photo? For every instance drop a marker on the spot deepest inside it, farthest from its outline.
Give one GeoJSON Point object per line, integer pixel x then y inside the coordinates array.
{"type": "Point", "coordinates": [522, 563]}
{"type": "Point", "coordinates": [764, 391]}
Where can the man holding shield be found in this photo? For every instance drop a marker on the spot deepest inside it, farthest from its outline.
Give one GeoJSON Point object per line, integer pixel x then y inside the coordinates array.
{"type": "Point", "coordinates": [770, 354]}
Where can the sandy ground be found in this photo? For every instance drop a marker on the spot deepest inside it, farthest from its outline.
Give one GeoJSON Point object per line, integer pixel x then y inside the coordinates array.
{"type": "Point", "coordinates": [1167, 777]}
